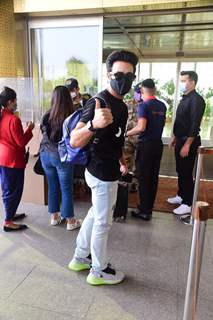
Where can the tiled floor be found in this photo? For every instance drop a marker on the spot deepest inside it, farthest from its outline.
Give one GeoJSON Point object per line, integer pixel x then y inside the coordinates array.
{"type": "Point", "coordinates": [35, 283]}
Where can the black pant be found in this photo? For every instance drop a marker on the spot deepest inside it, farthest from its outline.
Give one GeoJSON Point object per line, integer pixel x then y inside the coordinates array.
{"type": "Point", "coordinates": [184, 168]}
{"type": "Point", "coordinates": [148, 159]}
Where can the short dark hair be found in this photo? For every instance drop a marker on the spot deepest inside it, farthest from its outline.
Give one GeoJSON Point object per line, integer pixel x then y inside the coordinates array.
{"type": "Point", "coordinates": [121, 55]}
{"type": "Point", "coordinates": [6, 95]}
{"type": "Point", "coordinates": [71, 83]}
{"type": "Point", "coordinates": [148, 83]}
{"type": "Point", "coordinates": [191, 74]}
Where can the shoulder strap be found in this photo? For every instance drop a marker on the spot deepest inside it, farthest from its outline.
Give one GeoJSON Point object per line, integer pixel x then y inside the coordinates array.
{"type": "Point", "coordinates": [104, 101]}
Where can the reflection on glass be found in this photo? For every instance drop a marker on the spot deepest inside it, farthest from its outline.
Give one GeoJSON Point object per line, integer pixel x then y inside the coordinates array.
{"type": "Point", "coordinates": [187, 66]}
{"type": "Point", "coordinates": [60, 53]}
{"type": "Point", "coordinates": [144, 71]}
{"type": "Point", "coordinates": [198, 40]}
{"type": "Point", "coordinates": [164, 75]}
{"type": "Point", "coordinates": [205, 88]}
{"type": "Point", "coordinates": [199, 17]}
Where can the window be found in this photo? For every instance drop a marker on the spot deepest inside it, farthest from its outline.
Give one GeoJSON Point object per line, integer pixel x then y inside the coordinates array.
{"type": "Point", "coordinates": [63, 50]}
{"type": "Point", "coordinates": [164, 75]}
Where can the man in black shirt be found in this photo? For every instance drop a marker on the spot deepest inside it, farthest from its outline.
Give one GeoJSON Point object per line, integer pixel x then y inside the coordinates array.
{"type": "Point", "coordinates": [103, 129]}
{"type": "Point", "coordinates": [186, 140]}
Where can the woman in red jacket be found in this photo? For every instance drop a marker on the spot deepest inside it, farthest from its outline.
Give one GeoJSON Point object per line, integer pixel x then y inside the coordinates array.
{"type": "Point", "coordinates": [12, 157]}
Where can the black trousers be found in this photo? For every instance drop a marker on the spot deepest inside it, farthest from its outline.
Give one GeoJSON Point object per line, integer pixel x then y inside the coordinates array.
{"type": "Point", "coordinates": [148, 159]}
{"type": "Point", "coordinates": [184, 168]}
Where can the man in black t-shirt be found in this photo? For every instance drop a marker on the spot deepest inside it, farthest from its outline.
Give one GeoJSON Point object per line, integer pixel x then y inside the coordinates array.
{"type": "Point", "coordinates": [103, 129]}
{"type": "Point", "coordinates": [186, 140]}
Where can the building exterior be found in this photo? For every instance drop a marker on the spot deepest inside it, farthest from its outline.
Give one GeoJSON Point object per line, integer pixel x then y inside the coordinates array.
{"type": "Point", "coordinates": [44, 42]}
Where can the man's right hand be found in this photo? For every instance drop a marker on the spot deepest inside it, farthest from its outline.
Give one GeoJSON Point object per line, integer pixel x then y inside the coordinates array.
{"type": "Point", "coordinates": [103, 116]}
{"type": "Point", "coordinates": [172, 142]}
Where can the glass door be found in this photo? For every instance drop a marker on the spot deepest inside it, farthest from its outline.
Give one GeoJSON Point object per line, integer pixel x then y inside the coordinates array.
{"type": "Point", "coordinates": [64, 48]}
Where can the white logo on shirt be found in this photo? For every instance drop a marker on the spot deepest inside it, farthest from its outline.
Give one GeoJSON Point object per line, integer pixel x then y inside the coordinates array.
{"type": "Point", "coordinates": [118, 133]}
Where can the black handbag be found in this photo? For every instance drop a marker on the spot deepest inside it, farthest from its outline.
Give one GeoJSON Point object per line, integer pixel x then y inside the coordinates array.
{"type": "Point", "coordinates": [38, 169]}
{"type": "Point", "coordinates": [27, 155]}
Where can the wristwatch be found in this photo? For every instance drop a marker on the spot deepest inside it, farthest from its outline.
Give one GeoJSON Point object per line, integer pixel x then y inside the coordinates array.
{"type": "Point", "coordinates": [90, 126]}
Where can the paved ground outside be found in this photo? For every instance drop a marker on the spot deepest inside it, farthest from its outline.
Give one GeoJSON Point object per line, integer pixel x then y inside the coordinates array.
{"type": "Point", "coordinates": [35, 283]}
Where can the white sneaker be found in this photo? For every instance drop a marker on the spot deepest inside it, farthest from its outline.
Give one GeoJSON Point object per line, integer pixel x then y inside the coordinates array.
{"type": "Point", "coordinates": [175, 200]}
{"type": "Point", "coordinates": [182, 209]}
{"type": "Point", "coordinates": [75, 225]}
{"type": "Point", "coordinates": [107, 276]}
{"type": "Point", "coordinates": [54, 221]}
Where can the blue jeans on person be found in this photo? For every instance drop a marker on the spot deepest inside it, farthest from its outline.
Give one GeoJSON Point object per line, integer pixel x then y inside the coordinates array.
{"type": "Point", "coordinates": [12, 184]}
{"type": "Point", "coordinates": [93, 235]}
{"type": "Point", "coordinates": [60, 182]}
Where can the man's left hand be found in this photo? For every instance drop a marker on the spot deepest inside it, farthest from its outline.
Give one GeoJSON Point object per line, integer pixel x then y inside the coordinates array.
{"type": "Point", "coordinates": [184, 152]}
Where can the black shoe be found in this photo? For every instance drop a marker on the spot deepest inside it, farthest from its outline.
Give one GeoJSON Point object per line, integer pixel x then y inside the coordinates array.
{"type": "Point", "coordinates": [186, 220]}
{"type": "Point", "coordinates": [89, 257]}
{"type": "Point", "coordinates": [18, 227]}
{"type": "Point", "coordinates": [19, 216]}
{"type": "Point", "coordinates": [109, 270]}
{"type": "Point", "coordinates": [142, 215]}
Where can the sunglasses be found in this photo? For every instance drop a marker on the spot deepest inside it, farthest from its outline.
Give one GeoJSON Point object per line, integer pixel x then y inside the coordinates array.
{"type": "Point", "coordinates": [120, 75]}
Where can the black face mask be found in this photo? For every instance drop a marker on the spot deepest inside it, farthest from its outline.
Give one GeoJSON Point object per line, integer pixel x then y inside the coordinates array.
{"type": "Point", "coordinates": [121, 86]}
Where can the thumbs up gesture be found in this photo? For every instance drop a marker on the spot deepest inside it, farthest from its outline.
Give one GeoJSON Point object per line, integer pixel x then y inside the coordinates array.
{"type": "Point", "coordinates": [103, 116]}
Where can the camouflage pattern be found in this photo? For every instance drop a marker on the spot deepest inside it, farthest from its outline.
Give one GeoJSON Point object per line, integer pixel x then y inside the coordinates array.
{"type": "Point", "coordinates": [131, 142]}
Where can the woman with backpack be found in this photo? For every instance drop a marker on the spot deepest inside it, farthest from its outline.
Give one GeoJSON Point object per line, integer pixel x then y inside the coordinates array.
{"type": "Point", "coordinates": [59, 175]}
{"type": "Point", "coordinates": [13, 160]}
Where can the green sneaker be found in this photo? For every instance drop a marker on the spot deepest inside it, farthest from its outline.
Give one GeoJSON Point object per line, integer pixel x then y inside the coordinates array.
{"type": "Point", "coordinates": [79, 265]}
{"type": "Point", "coordinates": [107, 276]}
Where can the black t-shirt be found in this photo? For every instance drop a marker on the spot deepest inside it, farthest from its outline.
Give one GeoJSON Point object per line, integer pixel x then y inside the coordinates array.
{"type": "Point", "coordinates": [106, 144]}
{"type": "Point", "coordinates": [189, 115]}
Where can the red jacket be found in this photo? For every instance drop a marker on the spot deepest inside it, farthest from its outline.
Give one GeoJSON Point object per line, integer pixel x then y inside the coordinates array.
{"type": "Point", "coordinates": [12, 141]}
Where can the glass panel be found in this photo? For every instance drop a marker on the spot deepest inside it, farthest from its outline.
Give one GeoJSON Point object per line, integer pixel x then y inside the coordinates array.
{"type": "Point", "coordinates": [27, 102]}
{"type": "Point", "coordinates": [160, 36]}
{"type": "Point", "coordinates": [162, 41]}
{"type": "Point", "coordinates": [164, 75]}
{"type": "Point", "coordinates": [145, 41]}
{"type": "Point", "coordinates": [163, 19]}
{"type": "Point", "coordinates": [144, 71]}
{"type": "Point", "coordinates": [187, 66]}
{"type": "Point", "coordinates": [56, 56]}
{"type": "Point", "coordinates": [21, 49]}
{"type": "Point", "coordinates": [198, 39]}
{"type": "Point", "coordinates": [205, 88]}
{"type": "Point", "coordinates": [199, 17]}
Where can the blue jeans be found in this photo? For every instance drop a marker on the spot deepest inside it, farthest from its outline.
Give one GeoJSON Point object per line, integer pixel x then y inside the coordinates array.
{"type": "Point", "coordinates": [12, 184]}
{"type": "Point", "coordinates": [93, 235]}
{"type": "Point", "coordinates": [60, 182]}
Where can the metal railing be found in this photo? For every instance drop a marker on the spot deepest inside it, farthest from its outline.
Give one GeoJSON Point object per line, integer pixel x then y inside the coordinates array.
{"type": "Point", "coordinates": [199, 220]}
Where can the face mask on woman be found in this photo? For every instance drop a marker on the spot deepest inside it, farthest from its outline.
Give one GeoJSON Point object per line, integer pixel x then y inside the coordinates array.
{"type": "Point", "coordinates": [73, 95]}
{"type": "Point", "coordinates": [14, 108]}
